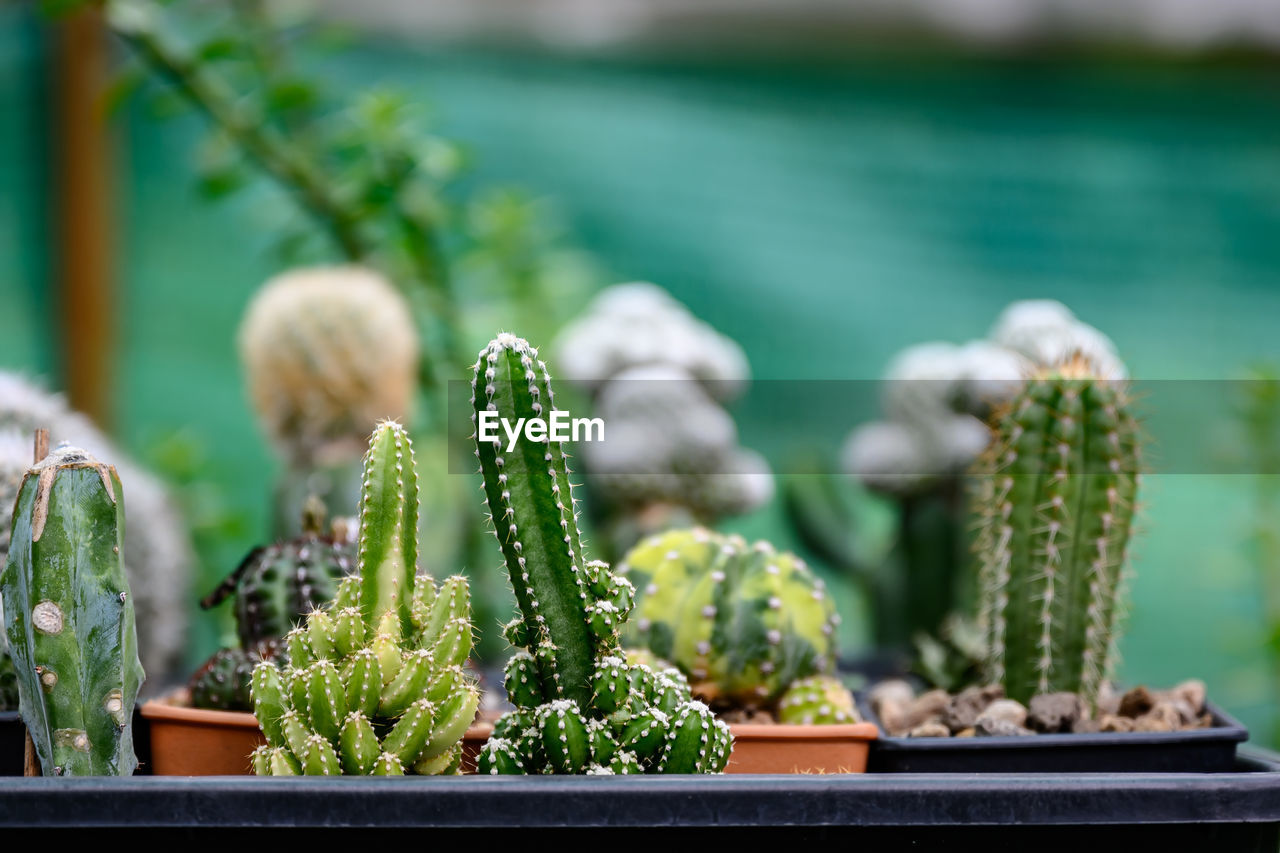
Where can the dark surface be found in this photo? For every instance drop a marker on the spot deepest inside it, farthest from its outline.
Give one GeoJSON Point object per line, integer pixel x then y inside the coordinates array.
{"type": "Point", "coordinates": [11, 743]}
{"type": "Point", "coordinates": [912, 805]}
{"type": "Point", "coordinates": [1211, 750]}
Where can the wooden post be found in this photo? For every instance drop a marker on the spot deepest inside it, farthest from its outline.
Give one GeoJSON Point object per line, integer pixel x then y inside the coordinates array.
{"type": "Point", "coordinates": [30, 761]}
{"type": "Point", "coordinates": [82, 219]}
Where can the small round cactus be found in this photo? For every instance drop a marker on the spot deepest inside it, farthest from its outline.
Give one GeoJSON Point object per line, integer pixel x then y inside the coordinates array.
{"type": "Point", "coordinates": [745, 620]}
{"type": "Point", "coordinates": [275, 586]}
{"type": "Point", "coordinates": [817, 700]}
{"type": "Point", "coordinates": [222, 682]}
{"type": "Point", "coordinates": [327, 352]}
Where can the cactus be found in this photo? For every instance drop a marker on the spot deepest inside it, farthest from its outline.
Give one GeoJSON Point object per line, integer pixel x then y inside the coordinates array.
{"type": "Point", "coordinates": [1055, 500]}
{"type": "Point", "coordinates": [374, 683]}
{"type": "Point", "coordinates": [580, 707]}
{"type": "Point", "coordinates": [70, 620]}
{"type": "Point", "coordinates": [817, 700]}
{"type": "Point", "coordinates": [222, 682]}
{"type": "Point", "coordinates": [275, 586]}
{"type": "Point", "coordinates": [158, 557]}
{"type": "Point", "coordinates": [742, 621]}
{"type": "Point", "coordinates": [326, 353]}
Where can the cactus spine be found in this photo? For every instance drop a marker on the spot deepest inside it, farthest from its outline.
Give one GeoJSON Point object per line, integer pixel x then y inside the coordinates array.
{"type": "Point", "coordinates": [742, 621]}
{"type": "Point", "coordinates": [1055, 500]}
{"type": "Point", "coordinates": [579, 706]}
{"type": "Point", "coordinates": [374, 683]}
{"type": "Point", "coordinates": [70, 621]}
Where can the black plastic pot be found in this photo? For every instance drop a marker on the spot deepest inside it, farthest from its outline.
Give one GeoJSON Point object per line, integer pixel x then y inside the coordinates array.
{"type": "Point", "coordinates": [1211, 750]}
{"type": "Point", "coordinates": [12, 743]}
{"type": "Point", "coordinates": [1239, 810]}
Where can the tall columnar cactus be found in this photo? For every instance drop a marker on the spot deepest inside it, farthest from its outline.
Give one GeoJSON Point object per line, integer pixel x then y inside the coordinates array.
{"type": "Point", "coordinates": [374, 683]}
{"type": "Point", "coordinates": [743, 620]}
{"type": "Point", "coordinates": [580, 707]}
{"type": "Point", "coordinates": [1055, 500]}
{"type": "Point", "coordinates": [70, 621]}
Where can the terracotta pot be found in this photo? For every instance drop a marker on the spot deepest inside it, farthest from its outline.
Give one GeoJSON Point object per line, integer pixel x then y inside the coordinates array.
{"type": "Point", "coordinates": [775, 748]}
{"type": "Point", "coordinates": [195, 742]}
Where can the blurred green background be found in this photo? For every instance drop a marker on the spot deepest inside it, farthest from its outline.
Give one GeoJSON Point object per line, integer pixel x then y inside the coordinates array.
{"type": "Point", "coordinates": [823, 213]}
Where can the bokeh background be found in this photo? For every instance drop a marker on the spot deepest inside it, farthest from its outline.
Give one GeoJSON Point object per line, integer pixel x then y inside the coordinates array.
{"type": "Point", "coordinates": [825, 183]}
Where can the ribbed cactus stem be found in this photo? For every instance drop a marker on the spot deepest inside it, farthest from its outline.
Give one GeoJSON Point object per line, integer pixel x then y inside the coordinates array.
{"type": "Point", "coordinates": [70, 620]}
{"type": "Point", "coordinates": [579, 707]}
{"type": "Point", "coordinates": [388, 554]}
{"type": "Point", "coordinates": [1056, 505]}
{"type": "Point", "coordinates": [532, 507]}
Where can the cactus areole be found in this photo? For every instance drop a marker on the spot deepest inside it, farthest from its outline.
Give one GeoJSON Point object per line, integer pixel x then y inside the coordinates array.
{"type": "Point", "coordinates": [70, 621]}
{"type": "Point", "coordinates": [1055, 503]}
{"type": "Point", "coordinates": [580, 708]}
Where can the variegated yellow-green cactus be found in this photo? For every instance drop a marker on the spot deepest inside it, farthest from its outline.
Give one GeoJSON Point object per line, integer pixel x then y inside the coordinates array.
{"type": "Point", "coordinates": [744, 619]}
{"type": "Point", "coordinates": [374, 683]}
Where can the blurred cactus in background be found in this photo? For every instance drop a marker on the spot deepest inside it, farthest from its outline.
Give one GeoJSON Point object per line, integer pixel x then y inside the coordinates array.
{"type": "Point", "coordinates": [659, 378]}
{"type": "Point", "coordinates": [157, 553]}
{"type": "Point", "coordinates": [936, 400]}
{"type": "Point", "coordinates": [327, 352]}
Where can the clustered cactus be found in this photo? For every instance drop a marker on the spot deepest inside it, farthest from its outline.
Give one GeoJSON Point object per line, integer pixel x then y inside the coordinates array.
{"type": "Point", "coordinates": [375, 683]}
{"type": "Point", "coordinates": [70, 620]}
{"type": "Point", "coordinates": [743, 621]}
{"type": "Point", "coordinates": [580, 707]}
{"type": "Point", "coordinates": [1056, 504]}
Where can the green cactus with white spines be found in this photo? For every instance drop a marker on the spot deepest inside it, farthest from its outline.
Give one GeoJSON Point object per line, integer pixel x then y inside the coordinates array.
{"type": "Point", "coordinates": [817, 700]}
{"type": "Point", "coordinates": [1055, 501]}
{"type": "Point", "coordinates": [276, 585]}
{"type": "Point", "coordinates": [70, 621]}
{"type": "Point", "coordinates": [744, 620]}
{"type": "Point", "coordinates": [374, 684]}
{"type": "Point", "coordinates": [580, 707]}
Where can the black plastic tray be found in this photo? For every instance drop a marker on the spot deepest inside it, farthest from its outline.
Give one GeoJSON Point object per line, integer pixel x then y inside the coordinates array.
{"type": "Point", "coordinates": [1211, 750]}
{"type": "Point", "coordinates": [1239, 810]}
{"type": "Point", "coordinates": [12, 743]}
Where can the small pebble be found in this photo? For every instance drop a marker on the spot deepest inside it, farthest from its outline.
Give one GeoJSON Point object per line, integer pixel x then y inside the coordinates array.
{"type": "Point", "coordinates": [930, 729]}
{"type": "Point", "coordinates": [1054, 712]}
{"type": "Point", "coordinates": [1115, 723]}
{"type": "Point", "coordinates": [993, 727]}
{"type": "Point", "coordinates": [1136, 702]}
{"type": "Point", "coordinates": [1008, 710]}
{"type": "Point", "coordinates": [964, 708]}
